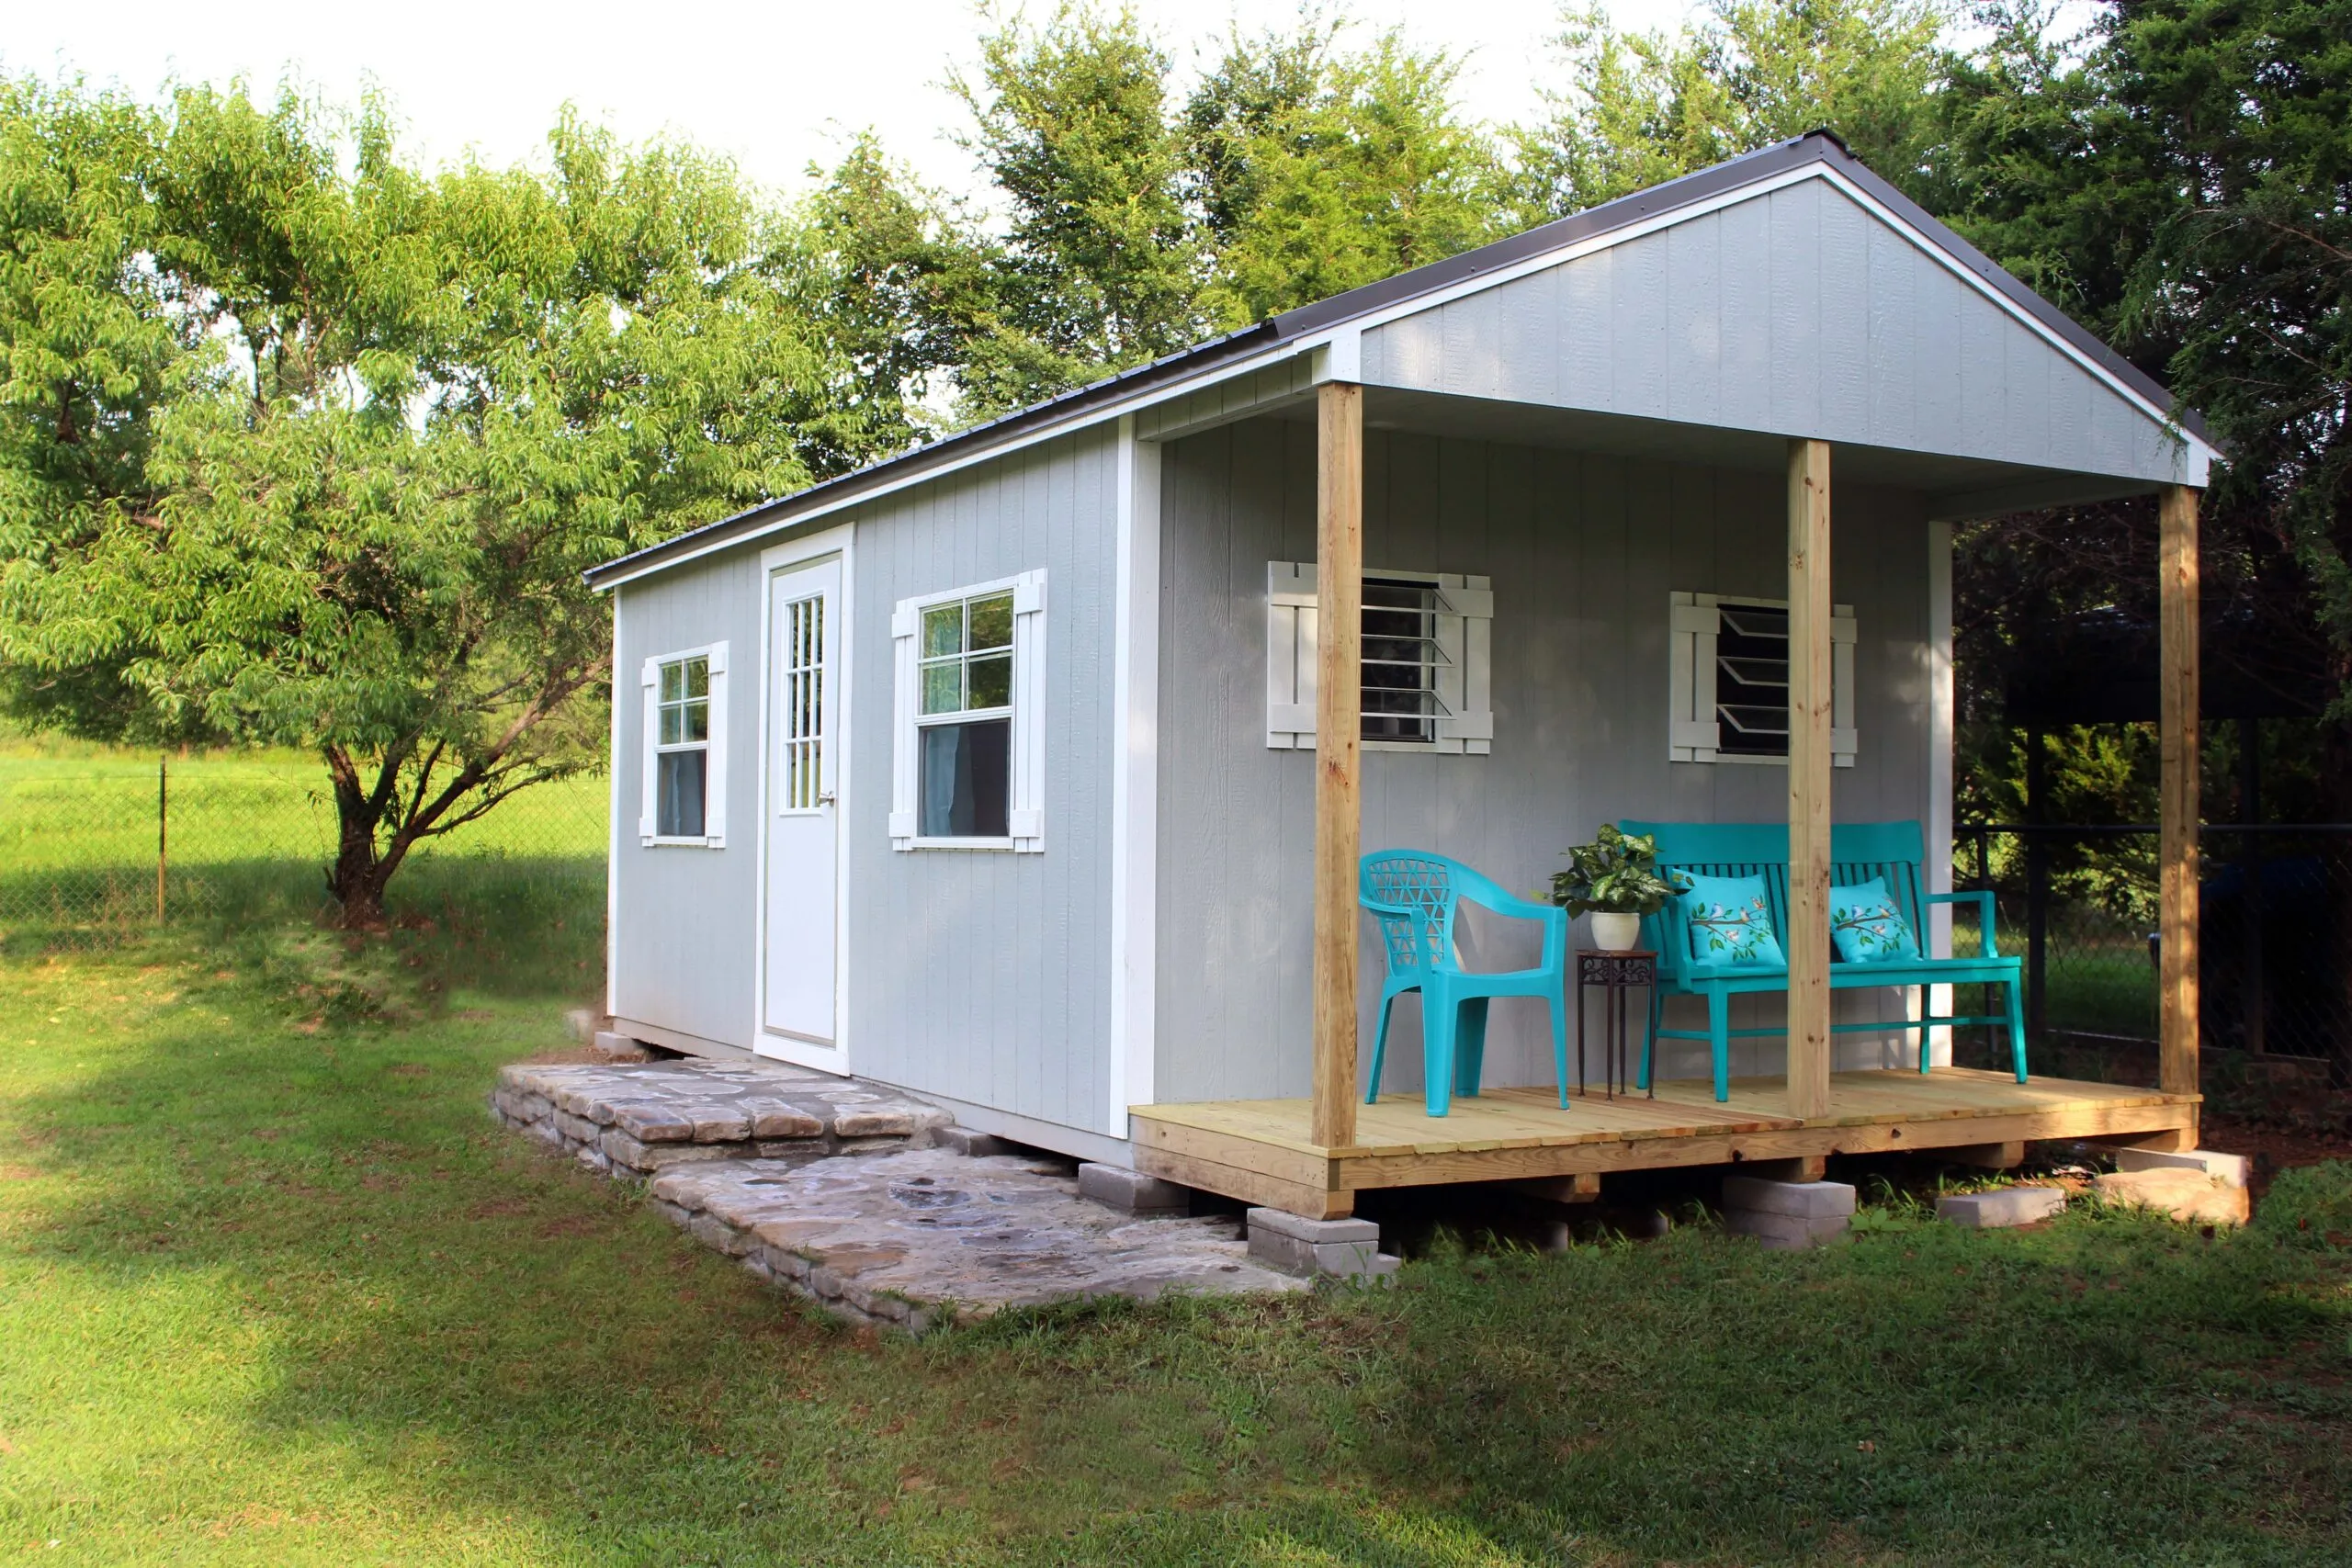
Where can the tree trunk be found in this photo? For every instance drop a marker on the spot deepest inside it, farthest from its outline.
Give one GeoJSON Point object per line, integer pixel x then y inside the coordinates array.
{"type": "Point", "coordinates": [358, 877]}
{"type": "Point", "coordinates": [362, 865]}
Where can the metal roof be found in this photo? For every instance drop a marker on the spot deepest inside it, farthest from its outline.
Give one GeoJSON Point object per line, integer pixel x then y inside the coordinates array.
{"type": "Point", "coordinates": [1079, 407]}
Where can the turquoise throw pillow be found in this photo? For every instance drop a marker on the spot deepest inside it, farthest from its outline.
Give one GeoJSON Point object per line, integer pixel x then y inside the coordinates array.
{"type": "Point", "coordinates": [1866, 925]}
{"type": "Point", "coordinates": [1730, 919]}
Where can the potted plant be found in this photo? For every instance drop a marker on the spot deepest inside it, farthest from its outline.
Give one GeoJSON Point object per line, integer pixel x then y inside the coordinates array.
{"type": "Point", "coordinates": [1613, 880]}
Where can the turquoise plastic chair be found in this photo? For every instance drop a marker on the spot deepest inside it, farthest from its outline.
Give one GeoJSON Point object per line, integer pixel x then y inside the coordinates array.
{"type": "Point", "coordinates": [1414, 895]}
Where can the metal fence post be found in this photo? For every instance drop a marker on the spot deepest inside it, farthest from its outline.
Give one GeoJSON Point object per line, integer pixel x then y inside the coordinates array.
{"type": "Point", "coordinates": [162, 829]}
{"type": "Point", "coordinates": [2250, 901]}
{"type": "Point", "coordinates": [2036, 885]}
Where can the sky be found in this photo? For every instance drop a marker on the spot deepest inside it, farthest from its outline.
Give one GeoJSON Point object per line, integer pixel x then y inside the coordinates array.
{"type": "Point", "coordinates": [775, 86]}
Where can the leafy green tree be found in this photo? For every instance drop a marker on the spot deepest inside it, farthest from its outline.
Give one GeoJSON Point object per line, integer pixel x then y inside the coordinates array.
{"type": "Point", "coordinates": [1644, 108]}
{"type": "Point", "coordinates": [2180, 179]}
{"type": "Point", "coordinates": [1315, 169]}
{"type": "Point", "coordinates": [1101, 268]}
{"type": "Point", "coordinates": [405, 414]}
{"type": "Point", "coordinates": [90, 346]}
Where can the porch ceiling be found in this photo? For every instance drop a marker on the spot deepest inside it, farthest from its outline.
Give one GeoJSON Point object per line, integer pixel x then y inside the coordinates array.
{"type": "Point", "coordinates": [1956, 487]}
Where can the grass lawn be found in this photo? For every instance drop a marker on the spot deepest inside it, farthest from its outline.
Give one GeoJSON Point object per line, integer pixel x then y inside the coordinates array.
{"type": "Point", "coordinates": [276, 1291]}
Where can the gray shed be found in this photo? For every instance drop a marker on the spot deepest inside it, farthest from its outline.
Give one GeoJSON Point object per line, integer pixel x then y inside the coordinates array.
{"type": "Point", "coordinates": [990, 771]}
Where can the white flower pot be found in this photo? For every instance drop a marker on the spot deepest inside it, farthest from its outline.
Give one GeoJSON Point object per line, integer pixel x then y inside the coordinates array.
{"type": "Point", "coordinates": [1613, 932]}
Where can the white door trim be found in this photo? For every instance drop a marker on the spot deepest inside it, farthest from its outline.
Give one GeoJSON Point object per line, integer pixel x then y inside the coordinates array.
{"type": "Point", "coordinates": [777, 559]}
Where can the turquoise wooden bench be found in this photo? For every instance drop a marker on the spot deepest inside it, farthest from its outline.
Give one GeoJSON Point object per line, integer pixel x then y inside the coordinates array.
{"type": "Point", "coordinates": [1414, 895]}
{"type": "Point", "coordinates": [1858, 852]}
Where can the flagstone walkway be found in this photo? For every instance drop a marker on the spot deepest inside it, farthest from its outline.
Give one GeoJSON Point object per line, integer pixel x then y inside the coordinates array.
{"type": "Point", "coordinates": [836, 1188]}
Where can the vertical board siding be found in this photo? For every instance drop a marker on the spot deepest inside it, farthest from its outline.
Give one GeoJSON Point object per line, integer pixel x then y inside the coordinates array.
{"type": "Point", "coordinates": [1584, 552]}
{"type": "Point", "coordinates": [684, 939]}
{"type": "Point", "coordinates": [984, 975]}
{"type": "Point", "coordinates": [1793, 312]}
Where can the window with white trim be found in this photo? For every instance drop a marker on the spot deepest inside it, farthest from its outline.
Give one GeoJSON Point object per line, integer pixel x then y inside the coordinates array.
{"type": "Point", "coordinates": [968, 742]}
{"type": "Point", "coordinates": [1427, 660]}
{"type": "Point", "coordinates": [1728, 680]}
{"type": "Point", "coordinates": [684, 799]}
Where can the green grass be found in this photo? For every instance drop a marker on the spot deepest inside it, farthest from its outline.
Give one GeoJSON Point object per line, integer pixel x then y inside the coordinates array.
{"type": "Point", "coordinates": [276, 1291]}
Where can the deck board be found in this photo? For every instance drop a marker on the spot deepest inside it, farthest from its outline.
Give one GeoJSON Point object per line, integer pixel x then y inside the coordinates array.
{"type": "Point", "coordinates": [1516, 1132]}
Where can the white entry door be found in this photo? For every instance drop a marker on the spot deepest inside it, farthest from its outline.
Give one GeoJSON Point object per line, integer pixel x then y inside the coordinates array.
{"type": "Point", "coordinates": [806, 738]}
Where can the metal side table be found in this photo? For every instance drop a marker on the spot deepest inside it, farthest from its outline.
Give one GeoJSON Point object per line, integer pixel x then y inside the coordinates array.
{"type": "Point", "coordinates": [1615, 974]}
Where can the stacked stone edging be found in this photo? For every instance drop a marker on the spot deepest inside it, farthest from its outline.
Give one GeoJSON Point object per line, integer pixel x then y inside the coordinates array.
{"type": "Point", "coordinates": [640, 1120]}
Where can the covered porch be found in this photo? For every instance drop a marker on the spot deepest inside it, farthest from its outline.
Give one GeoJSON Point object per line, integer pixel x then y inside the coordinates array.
{"type": "Point", "coordinates": [1313, 1155]}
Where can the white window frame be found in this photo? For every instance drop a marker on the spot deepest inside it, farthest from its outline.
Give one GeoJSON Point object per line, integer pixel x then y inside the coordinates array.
{"type": "Point", "coordinates": [1465, 620]}
{"type": "Point", "coordinates": [1026, 813]}
{"type": "Point", "coordinates": [1693, 733]}
{"type": "Point", "coordinates": [714, 800]}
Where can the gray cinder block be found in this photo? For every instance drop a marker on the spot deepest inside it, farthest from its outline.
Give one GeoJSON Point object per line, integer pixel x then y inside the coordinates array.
{"type": "Point", "coordinates": [2002, 1206]}
{"type": "Point", "coordinates": [964, 1141]}
{"type": "Point", "coordinates": [1347, 1249]}
{"type": "Point", "coordinates": [1804, 1200]}
{"type": "Point", "coordinates": [1131, 1191]}
{"type": "Point", "coordinates": [1787, 1232]}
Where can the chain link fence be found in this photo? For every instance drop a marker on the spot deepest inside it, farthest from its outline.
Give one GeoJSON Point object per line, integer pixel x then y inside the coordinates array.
{"type": "Point", "coordinates": [2079, 902]}
{"type": "Point", "coordinates": [98, 847]}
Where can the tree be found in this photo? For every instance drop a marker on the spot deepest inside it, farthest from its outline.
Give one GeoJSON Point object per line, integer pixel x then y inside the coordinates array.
{"type": "Point", "coordinates": [404, 415]}
{"type": "Point", "coordinates": [1644, 107]}
{"type": "Point", "coordinates": [1315, 169]}
{"type": "Point", "coordinates": [2180, 179]}
{"type": "Point", "coordinates": [1101, 267]}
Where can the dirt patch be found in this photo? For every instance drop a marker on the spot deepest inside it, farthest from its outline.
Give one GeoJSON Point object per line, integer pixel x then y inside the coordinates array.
{"type": "Point", "coordinates": [2278, 1143]}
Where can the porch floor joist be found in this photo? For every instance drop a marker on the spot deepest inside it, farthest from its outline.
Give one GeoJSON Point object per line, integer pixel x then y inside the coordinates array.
{"type": "Point", "coordinates": [1258, 1150]}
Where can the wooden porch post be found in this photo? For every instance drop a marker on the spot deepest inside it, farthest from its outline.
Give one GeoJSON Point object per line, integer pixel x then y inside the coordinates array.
{"type": "Point", "coordinates": [1809, 716]}
{"type": "Point", "coordinates": [1338, 729]}
{"type": "Point", "coordinates": [2177, 787]}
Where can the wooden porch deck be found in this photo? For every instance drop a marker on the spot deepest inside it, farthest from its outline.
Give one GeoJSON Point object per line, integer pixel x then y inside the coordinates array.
{"type": "Point", "coordinates": [1258, 1150]}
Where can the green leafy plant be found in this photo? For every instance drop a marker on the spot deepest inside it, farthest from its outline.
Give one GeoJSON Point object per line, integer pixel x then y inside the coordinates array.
{"type": "Point", "coordinates": [1612, 874]}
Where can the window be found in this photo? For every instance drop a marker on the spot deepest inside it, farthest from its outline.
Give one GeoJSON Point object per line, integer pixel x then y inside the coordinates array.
{"type": "Point", "coordinates": [1729, 681]}
{"type": "Point", "coordinates": [686, 732]}
{"type": "Point", "coordinates": [970, 730]}
{"type": "Point", "coordinates": [965, 726]}
{"type": "Point", "coordinates": [1427, 647]}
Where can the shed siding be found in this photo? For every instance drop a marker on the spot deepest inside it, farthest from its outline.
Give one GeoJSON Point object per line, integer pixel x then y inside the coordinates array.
{"type": "Point", "coordinates": [684, 916]}
{"type": "Point", "coordinates": [984, 975]}
{"type": "Point", "coordinates": [1584, 552]}
{"type": "Point", "coordinates": [1792, 312]}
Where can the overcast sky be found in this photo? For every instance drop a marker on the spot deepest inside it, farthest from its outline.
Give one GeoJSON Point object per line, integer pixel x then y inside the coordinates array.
{"type": "Point", "coordinates": [775, 86]}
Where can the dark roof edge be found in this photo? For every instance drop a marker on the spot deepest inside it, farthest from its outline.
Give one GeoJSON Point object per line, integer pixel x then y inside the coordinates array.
{"type": "Point", "coordinates": [1815, 146]}
{"type": "Point", "coordinates": [1072, 405]}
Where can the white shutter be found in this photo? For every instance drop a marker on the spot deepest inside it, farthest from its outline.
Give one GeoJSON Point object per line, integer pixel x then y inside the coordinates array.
{"type": "Point", "coordinates": [1466, 622]}
{"type": "Point", "coordinates": [1692, 732]}
{"type": "Point", "coordinates": [1026, 816]}
{"type": "Point", "coordinates": [903, 620]}
{"type": "Point", "coordinates": [1842, 628]}
{"type": "Point", "coordinates": [714, 799]}
{"type": "Point", "coordinates": [1290, 655]}
{"type": "Point", "coordinates": [649, 799]}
